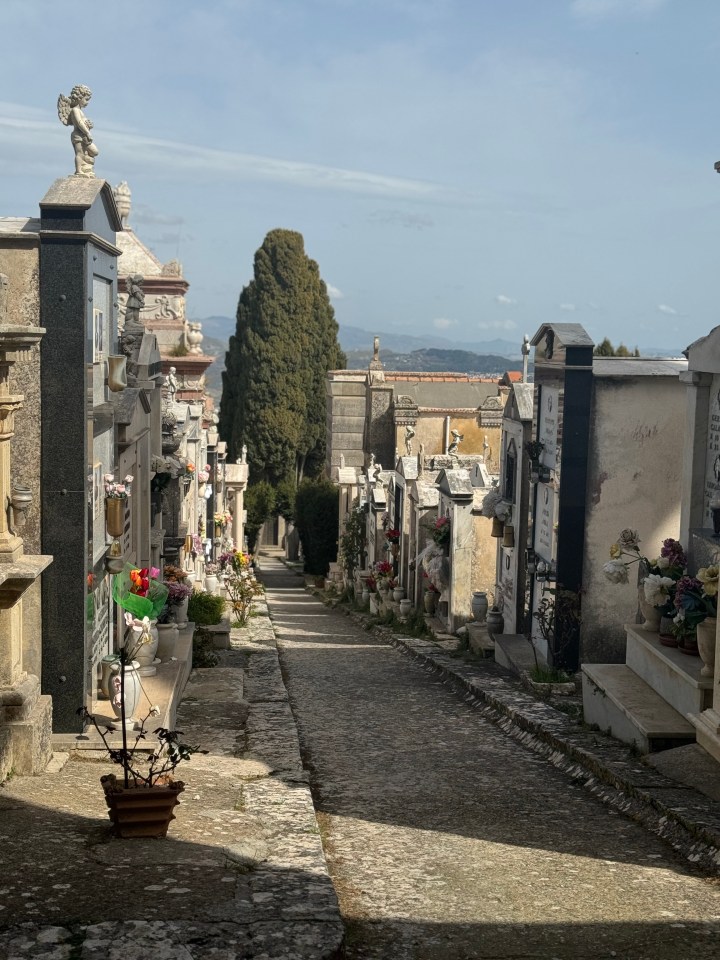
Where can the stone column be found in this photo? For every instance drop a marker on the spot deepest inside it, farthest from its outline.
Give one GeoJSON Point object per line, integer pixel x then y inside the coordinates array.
{"type": "Point", "coordinates": [25, 716]}
{"type": "Point", "coordinates": [236, 478]}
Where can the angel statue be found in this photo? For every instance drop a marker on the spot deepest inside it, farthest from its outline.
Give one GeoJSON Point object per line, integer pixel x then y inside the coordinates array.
{"type": "Point", "coordinates": [409, 434]}
{"type": "Point", "coordinates": [70, 112]}
{"type": "Point", "coordinates": [457, 437]}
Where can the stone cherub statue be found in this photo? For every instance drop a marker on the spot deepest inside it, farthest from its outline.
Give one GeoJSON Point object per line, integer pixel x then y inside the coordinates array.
{"type": "Point", "coordinates": [457, 438]}
{"type": "Point", "coordinates": [135, 300]}
{"type": "Point", "coordinates": [409, 434]}
{"type": "Point", "coordinates": [171, 385]}
{"type": "Point", "coordinates": [70, 112]}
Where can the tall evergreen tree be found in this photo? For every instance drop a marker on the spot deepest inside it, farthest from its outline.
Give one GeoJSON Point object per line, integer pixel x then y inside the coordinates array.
{"type": "Point", "coordinates": [273, 396]}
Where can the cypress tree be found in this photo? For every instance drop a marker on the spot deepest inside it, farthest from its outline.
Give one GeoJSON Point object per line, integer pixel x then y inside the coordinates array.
{"type": "Point", "coordinates": [273, 396]}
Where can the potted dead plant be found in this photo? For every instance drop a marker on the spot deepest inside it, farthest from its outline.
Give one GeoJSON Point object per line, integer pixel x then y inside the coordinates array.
{"type": "Point", "coordinates": [141, 802]}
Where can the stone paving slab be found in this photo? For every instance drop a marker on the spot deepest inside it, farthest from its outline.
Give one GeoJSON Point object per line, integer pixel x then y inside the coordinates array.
{"type": "Point", "coordinates": [453, 830]}
{"type": "Point", "coordinates": [688, 820]}
{"type": "Point", "coordinates": [242, 873]}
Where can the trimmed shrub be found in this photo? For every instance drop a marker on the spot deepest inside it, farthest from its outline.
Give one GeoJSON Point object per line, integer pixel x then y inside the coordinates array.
{"type": "Point", "coordinates": [316, 518]}
{"type": "Point", "coordinates": [205, 609]}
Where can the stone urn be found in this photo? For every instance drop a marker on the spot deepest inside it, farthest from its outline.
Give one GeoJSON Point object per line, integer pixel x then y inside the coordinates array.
{"type": "Point", "coordinates": [495, 622]}
{"type": "Point", "coordinates": [107, 664]}
{"type": "Point", "coordinates": [131, 692]}
{"type": "Point", "coordinates": [405, 608]}
{"type": "Point", "coordinates": [144, 653]}
{"type": "Point", "coordinates": [364, 596]}
{"type": "Point", "coordinates": [479, 605]}
{"type": "Point", "coordinates": [168, 636]}
{"type": "Point", "coordinates": [178, 612]}
{"type": "Point", "coordinates": [430, 601]}
{"type": "Point", "coordinates": [211, 583]}
{"type": "Point", "coordinates": [706, 633]}
{"type": "Point", "coordinates": [398, 594]}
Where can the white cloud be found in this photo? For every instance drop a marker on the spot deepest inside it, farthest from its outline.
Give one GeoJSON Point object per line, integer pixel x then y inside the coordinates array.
{"type": "Point", "coordinates": [569, 307]}
{"type": "Point", "coordinates": [412, 221]}
{"type": "Point", "coordinates": [333, 292]}
{"type": "Point", "coordinates": [602, 9]}
{"type": "Point", "coordinates": [127, 150]}
{"type": "Point", "coordinates": [497, 325]}
{"type": "Point", "coordinates": [505, 301]}
{"type": "Point", "coordinates": [664, 308]}
{"type": "Point", "coordinates": [442, 323]}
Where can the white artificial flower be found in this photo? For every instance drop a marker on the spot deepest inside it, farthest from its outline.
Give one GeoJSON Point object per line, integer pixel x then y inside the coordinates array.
{"type": "Point", "coordinates": [662, 563]}
{"type": "Point", "coordinates": [615, 571]}
{"type": "Point", "coordinates": [629, 539]}
{"type": "Point", "coordinates": [155, 711]}
{"type": "Point", "coordinates": [657, 588]}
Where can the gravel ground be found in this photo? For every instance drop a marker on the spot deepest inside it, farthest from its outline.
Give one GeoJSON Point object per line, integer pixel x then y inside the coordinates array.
{"type": "Point", "coordinates": [446, 838]}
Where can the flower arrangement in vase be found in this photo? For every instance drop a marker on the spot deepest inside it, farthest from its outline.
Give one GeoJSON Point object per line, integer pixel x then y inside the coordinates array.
{"type": "Point", "coordinates": [657, 578]}
{"type": "Point", "coordinates": [695, 601]}
{"type": "Point", "coordinates": [441, 531]}
{"type": "Point", "coordinates": [383, 574]}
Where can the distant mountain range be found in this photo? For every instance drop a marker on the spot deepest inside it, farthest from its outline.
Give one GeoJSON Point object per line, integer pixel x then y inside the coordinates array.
{"type": "Point", "coordinates": [398, 352]}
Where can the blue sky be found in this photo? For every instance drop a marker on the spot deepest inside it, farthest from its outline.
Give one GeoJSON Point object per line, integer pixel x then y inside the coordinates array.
{"type": "Point", "coordinates": [466, 167]}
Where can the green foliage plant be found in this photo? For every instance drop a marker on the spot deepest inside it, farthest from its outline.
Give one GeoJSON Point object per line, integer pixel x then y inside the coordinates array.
{"type": "Point", "coordinates": [352, 541]}
{"type": "Point", "coordinates": [273, 394]}
{"type": "Point", "coordinates": [242, 591]}
{"type": "Point", "coordinates": [205, 609]}
{"type": "Point", "coordinates": [316, 509]}
{"type": "Point", "coordinates": [260, 504]}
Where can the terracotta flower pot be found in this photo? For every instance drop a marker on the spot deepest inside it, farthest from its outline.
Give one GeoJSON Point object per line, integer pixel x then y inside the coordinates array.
{"type": "Point", "coordinates": [140, 811]}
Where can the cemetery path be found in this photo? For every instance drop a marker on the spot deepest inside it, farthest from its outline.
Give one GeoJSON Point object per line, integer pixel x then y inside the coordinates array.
{"type": "Point", "coordinates": [447, 839]}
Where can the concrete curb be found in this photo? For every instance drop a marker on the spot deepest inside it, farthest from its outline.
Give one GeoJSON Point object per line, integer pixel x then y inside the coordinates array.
{"type": "Point", "coordinates": [687, 820]}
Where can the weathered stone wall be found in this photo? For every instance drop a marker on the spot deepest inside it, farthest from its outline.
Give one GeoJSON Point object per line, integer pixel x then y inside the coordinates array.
{"type": "Point", "coordinates": [345, 419]}
{"type": "Point", "coordinates": [634, 480]}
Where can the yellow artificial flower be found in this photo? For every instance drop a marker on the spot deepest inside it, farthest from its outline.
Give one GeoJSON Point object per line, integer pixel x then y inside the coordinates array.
{"type": "Point", "coordinates": [708, 577]}
{"type": "Point", "coordinates": [615, 551]}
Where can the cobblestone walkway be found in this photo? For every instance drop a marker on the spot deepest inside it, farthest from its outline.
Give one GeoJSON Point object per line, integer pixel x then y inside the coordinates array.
{"type": "Point", "coordinates": [447, 839]}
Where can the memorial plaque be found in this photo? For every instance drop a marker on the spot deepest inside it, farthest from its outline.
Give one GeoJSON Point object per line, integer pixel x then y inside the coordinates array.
{"type": "Point", "coordinates": [548, 416]}
{"type": "Point", "coordinates": [545, 522]}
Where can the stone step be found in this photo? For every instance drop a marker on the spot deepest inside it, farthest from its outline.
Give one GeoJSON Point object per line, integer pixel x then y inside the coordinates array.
{"type": "Point", "coordinates": [622, 704]}
{"type": "Point", "coordinates": [672, 674]}
{"type": "Point", "coordinates": [514, 652]}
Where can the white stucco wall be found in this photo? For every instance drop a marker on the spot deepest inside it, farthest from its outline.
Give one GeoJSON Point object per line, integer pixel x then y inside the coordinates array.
{"type": "Point", "coordinates": [634, 480]}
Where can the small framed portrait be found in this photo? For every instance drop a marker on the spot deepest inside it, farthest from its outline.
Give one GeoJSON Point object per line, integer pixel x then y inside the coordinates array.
{"type": "Point", "coordinates": [98, 487]}
{"type": "Point", "coordinates": [99, 345]}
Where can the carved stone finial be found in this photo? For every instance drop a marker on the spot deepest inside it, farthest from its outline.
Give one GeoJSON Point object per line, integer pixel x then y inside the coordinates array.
{"type": "Point", "coordinates": [376, 348]}
{"type": "Point", "coordinates": [195, 337]}
{"type": "Point", "coordinates": [123, 196]}
{"type": "Point", "coordinates": [70, 112]}
{"type": "Point", "coordinates": [173, 268]}
{"type": "Point", "coordinates": [525, 349]}
{"type": "Point", "coordinates": [4, 292]}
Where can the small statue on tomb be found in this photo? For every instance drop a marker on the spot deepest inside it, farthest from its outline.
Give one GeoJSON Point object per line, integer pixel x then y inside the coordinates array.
{"type": "Point", "coordinates": [135, 300]}
{"type": "Point", "coordinates": [70, 112]}
{"type": "Point", "coordinates": [376, 349]}
{"type": "Point", "coordinates": [171, 385]}
{"type": "Point", "coordinates": [457, 438]}
{"type": "Point", "coordinates": [243, 454]}
{"type": "Point", "coordinates": [409, 434]}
